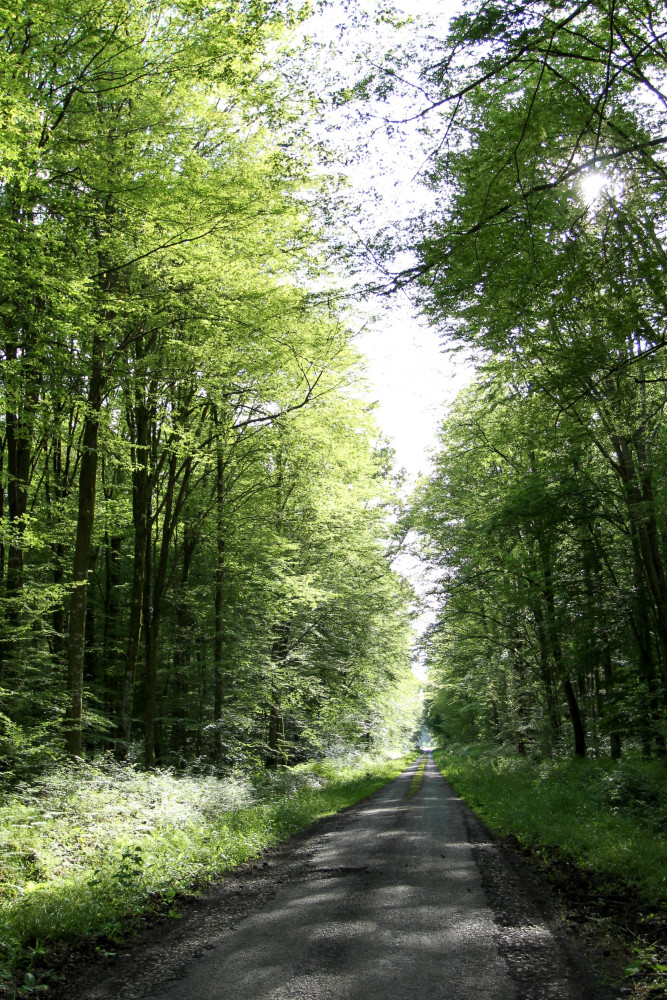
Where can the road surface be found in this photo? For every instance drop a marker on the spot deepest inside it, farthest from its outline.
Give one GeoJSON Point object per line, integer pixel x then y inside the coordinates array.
{"type": "Point", "coordinates": [402, 897]}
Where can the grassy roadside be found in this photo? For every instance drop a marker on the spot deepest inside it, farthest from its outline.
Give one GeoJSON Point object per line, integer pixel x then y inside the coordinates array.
{"type": "Point", "coordinates": [597, 830]}
{"type": "Point", "coordinates": [87, 852]}
{"type": "Point", "coordinates": [417, 779]}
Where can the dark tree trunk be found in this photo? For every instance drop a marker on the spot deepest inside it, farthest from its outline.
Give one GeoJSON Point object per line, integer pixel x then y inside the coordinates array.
{"type": "Point", "coordinates": [646, 669]}
{"type": "Point", "coordinates": [90, 658]}
{"type": "Point", "coordinates": [58, 617]}
{"type": "Point", "coordinates": [547, 673]}
{"type": "Point", "coordinates": [575, 717]}
{"type": "Point", "coordinates": [112, 553]}
{"type": "Point", "coordinates": [140, 519]}
{"type": "Point", "coordinates": [170, 512]}
{"type": "Point", "coordinates": [19, 443]}
{"type": "Point", "coordinates": [638, 486]}
{"type": "Point", "coordinates": [57, 487]}
{"type": "Point", "coordinates": [614, 734]}
{"type": "Point", "coordinates": [203, 693]}
{"type": "Point", "coordinates": [219, 585]}
{"type": "Point", "coordinates": [84, 534]}
{"type": "Point", "coordinates": [578, 730]}
{"type": "Point", "coordinates": [181, 645]}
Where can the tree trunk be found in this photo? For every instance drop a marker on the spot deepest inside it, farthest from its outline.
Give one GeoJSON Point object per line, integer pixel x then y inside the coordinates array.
{"type": "Point", "coordinates": [557, 653]}
{"type": "Point", "coordinates": [110, 625]}
{"type": "Point", "coordinates": [181, 644]}
{"type": "Point", "coordinates": [276, 737]}
{"type": "Point", "coordinates": [84, 534]}
{"type": "Point", "coordinates": [219, 584]}
{"type": "Point", "coordinates": [140, 520]}
{"type": "Point", "coordinates": [575, 717]}
{"type": "Point", "coordinates": [639, 498]}
{"type": "Point", "coordinates": [169, 515]}
{"type": "Point", "coordinates": [646, 669]}
{"type": "Point", "coordinates": [546, 672]}
{"type": "Point", "coordinates": [203, 693]}
{"type": "Point", "coordinates": [276, 733]}
{"type": "Point", "coordinates": [18, 439]}
{"type": "Point", "coordinates": [614, 734]}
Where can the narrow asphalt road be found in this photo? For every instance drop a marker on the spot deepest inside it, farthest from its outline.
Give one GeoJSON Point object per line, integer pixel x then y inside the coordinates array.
{"type": "Point", "coordinates": [401, 897]}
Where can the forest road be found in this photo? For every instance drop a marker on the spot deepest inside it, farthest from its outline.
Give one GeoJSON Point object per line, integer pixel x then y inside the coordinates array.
{"type": "Point", "coordinates": [403, 897]}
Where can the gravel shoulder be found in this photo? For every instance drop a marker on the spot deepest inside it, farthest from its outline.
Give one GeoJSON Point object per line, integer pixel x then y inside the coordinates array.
{"type": "Point", "coordinates": [405, 893]}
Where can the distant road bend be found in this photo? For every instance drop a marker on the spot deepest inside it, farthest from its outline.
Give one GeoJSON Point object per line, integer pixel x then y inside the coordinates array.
{"type": "Point", "coordinates": [399, 898]}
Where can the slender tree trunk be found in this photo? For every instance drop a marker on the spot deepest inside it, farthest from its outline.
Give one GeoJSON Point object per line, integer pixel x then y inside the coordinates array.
{"type": "Point", "coordinates": [522, 695]}
{"type": "Point", "coordinates": [614, 734]}
{"type": "Point", "coordinates": [181, 644]}
{"type": "Point", "coordinates": [2, 543]}
{"type": "Point", "coordinates": [112, 551]}
{"type": "Point", "coordinates": [91, 663]}
{"type": "Point", "coordinates": [605, 707]}
{"type": "Point", "coordinates": [276, 737]}
{"type": "Point", "coordinates": [549, 682]}
{"type": "Point", "coordinates": [646, 668]}
{"type": "Point", "coordinates": [546, 672]}
{"type": "Point", "coordinates": [18, 471]}
{"type": "Point", "coordinates": [557, 653]}
{"type": "Point", "coordinates": [4, 639]}
{"type": "Point", "coordinates": [19, 444]}
{"type": "Point", "coordinates": [84, 534]}
{"type": "Point", "coordinates": [203, 694]}
{"type": "Point", "coordinates": [147, 602]}
{"type": "Point", "coordinates": [57, 487]}
{"type": "Point", "coordinates": [575, 718]}
{"type": "Point", "coordinates": [638, 488]}
{"type": "Point", "coordinates": [276, 732]}
{"type": "Point", "coordinates": [153, 633]}
{"type": "Point", "coordinates": [140, 519]}
{"type": "Point", "coordinates": [219, 585]}
{"type": "Point", "coordinates": [58, 617]}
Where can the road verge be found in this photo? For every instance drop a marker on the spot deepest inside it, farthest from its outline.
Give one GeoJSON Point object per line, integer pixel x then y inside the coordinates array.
{"type": "Point", "coordinates": [594, 830]}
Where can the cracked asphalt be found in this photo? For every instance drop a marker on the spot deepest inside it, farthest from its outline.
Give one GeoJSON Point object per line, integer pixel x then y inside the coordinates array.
{"type": "Point", "coordinates": [401, 896]}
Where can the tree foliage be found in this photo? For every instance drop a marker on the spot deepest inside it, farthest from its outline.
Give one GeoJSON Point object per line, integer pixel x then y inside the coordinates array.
{"type": "Point", "coordinates": [545, 258]}
{"type": "Point", "coordinates": [192, 536]}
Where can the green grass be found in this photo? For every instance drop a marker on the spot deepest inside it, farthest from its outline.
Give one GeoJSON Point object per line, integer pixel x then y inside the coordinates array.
{"type": "Point", "coordinates": [86, 851]}
{"type": "Point", "coordinates": [608, 817]}
{"type": "Point", "coordinates": [417, 779]}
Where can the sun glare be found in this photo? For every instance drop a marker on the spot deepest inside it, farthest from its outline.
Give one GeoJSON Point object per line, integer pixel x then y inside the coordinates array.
{"type": "Point", "coordinates": [592, 186]}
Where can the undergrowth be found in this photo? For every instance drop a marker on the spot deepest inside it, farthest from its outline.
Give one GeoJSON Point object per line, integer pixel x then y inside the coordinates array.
{"type": "Point", "coordinates": [599, 823]}
{"type": "Point", "coordinates": [87, 850]}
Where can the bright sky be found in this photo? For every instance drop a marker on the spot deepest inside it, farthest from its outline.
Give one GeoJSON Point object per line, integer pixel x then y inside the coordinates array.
{"type": "Point", "coordinates": [412, 380]}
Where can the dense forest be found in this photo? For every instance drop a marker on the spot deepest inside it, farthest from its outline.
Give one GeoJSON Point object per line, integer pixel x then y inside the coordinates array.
{"type": "Point", "coordinates": [543, 260]}
{"type": "Point", "coordinates": [205, 642]}
{"type": "Point", "coordinates": [196, 508]}
{"type": "Point", "coordinates": [198, 511]}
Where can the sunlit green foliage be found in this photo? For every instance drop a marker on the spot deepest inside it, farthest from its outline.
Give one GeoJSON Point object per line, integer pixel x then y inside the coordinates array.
{"type": "Point", "coordinates": [194, 508]}
{"type": "Point", "coordinates": [544, 257]}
